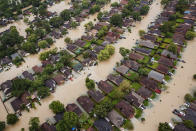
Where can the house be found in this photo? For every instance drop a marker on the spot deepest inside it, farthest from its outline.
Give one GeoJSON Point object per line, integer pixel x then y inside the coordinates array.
{"type": "Point", "coordinates": [131, 64]}
{"type": "Point", "coordinates": [74, 108]}
{"type": "Point", "coordinates": [37, 69]}
{"type": "Point", "coordinates": [116, 118]}
{"type": "Point", "coordinates": [166, 61]}
{"type": "Point", "coordinates": [80, 43]}
{"type": "Point", "coordinates": [77, 66]}
{"type": "Point", "coordinates": [98, 48]}
{"type": "Point", "coordinates": [99, 25]}
{"type": "Point", "coordinates": [45, 63]}
{"type": "Point", "coordinates": [135, 56]}
{"type": "Point", "coordinates": [58, 116]}
{"type": "Point", "coordinates": [178, 38]}
{"type": "Point", "coordinates": [162, 69]}
{"type": "Point", "coordinates": [102, 125]}
{"type": "Point", "coordinates": [156, 76]}
{"type": "Point", "coordinates": [59, 79]}
{"type": "Point", "coordinates": [54, 58]}
{"type": "Point", "coordinates": [134, 99]}
{"type": "Point", "coordinates": [6, 60]}
{"type": "Point", "coordinates": [105, 86]}
{"type": "Point", "coordinates": [67, 72]}
{"type": "Point", "coordinates": [6, 87]}
{"type": "Point", "coordinates": [112, 37]}
{"type": "Point", "coordinates": [124, 2]}
{"type": "Point", "coordinates": [169, 54]}
{"type": "Point", "coordinates": [86, 103]}
{"type": "Point", "coordinates": [149, 37]}
{"type": "Point", "coordinates": [87, 37]}
{"type": "Point", "coordinates": [182, 127]}
{"type": "Point", "coordinates": [51, 84]}
{"type": "Point", "coordinates": [116, 79]}
{"type": "Point", "coordinates": [15, 55]}
{"type": "Point", "coordinates": [143, 51]}
{"type": "Point", "coordinates": [72, 47]}
{"type": "Point", "coordinates": [150, 84]}
{"type": "Point", "coordinates": [122, 69]}
{"type": "Point", "coordinates": [47, 127]}
{"type": "Point", "coordinates": [28, 75]}
{"type": "Point", "coordinates": [96, 95]}
{"type": "Point", "coordinates": [193, 106]}
{"type": "Point", "coordinates": [127, 22]}
{"type": "Point", "coordinates": [125, 108]}
{"type": "Point", "coordinates": [22, 100]}
{"type": "Point", "coordinates": [147, 43]}
{"type": "Point", "coordinates": [144, 92]}
{"type": "Point", "coordinates": [84, 13]}
{"type": "Point", "coordinates": [190, 115]}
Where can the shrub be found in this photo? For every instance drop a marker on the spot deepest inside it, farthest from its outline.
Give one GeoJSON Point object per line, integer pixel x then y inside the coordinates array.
{"type": "Point", "coordinates": [194, 76]}
{"type": "Point", "coordinates": [43, 44]}
{"type": "Point", "coordinates": [188, 98]}
{"type": "Point", "coordinates": [68, 40]}
{"type": "Point", "coordinates": [12, 119]}
{"type": "Point", "coordinates": [56, 106]}
{"type": "Point", "coordinates": [2, 125]}
{"type": "Point", "coordinates": [90, 84]}
{"type": "Point", "coordinates": [128, 125]}
{"type": "Point", "coordinates": [164, 127]}
{"type": "Point", "coordinates": [190, 35]}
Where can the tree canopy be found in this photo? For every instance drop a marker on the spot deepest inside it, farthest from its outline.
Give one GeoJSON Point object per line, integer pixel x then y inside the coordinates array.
{"type": "Point", "coordinates": [57, 107]}
{"type": "Point", "coordinates": [116, 20]}
{"type": "Point", "coordinates": [12, 119]}
{"type": "Point", "coordinates": [164, 127]}
{"type": "Point", "coordinates": [2, 125]}
{"type": "Point", "coordinates": [34, 124]}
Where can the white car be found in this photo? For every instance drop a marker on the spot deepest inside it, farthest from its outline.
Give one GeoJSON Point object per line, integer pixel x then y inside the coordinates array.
{"type": "Point", "coordinates": [171, 125]}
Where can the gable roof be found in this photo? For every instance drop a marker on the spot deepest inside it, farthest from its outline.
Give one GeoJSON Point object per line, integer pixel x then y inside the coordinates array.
{"type": "Point", "coordinates": [105, 86]}
{"type": "Point", "coordinates": [59, 79]}
{"type": "Point", "coordinates": [156, 76]}
{"type": "Point", "coordinates": [150, 84]}
{"type": "Point", "coordinates": [116, 79]}
{"type": "Point", "coordinates": [47, 127]}
{"type": "Point", "coordinates": [144, 92]}
{"type": "Point", "coordinates": [37, 69]}
{"type": "Point", "coordinates": [122, 69]}
{"type": "Point", "coordinates": [131, 64]}
{"type": "Point", "coordinates": [125, 108]}
{"type": "Point", "coordinates": [96, 95]}
{"type": "Point", "coordinates": [143, 51]}
{"type": "Point", "coordinates": [166, 61]}
{"type": "Point", "coordinates": [135, 56]}
{"type": "Point", "coordinates": [134, 99]}
{"type": "Point", "coordinates": [86, 103]}
{"type": "Point", "coordinates": [74, 108]}
{"type": "Point", "coordinates": [147, 43]}
{"type": "Point", "coordinates": [116, 118]}
{"type": "Point", "coordinates": [167, 53]}
{"type": "Point", "coordinates": [162, 69]}
{"type": "Point", "coordinates": [28, 75]}
{"type": "Point", "coordinates": [102, 125]}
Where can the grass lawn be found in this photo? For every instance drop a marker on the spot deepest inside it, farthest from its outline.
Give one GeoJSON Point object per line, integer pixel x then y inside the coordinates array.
{"type": "Point", "coordinates": [156, 57]}
{"type": "Point", "coordinates": [164, 45]}
{"type": "Point", "coordinates": [168, 40]}
{"type": "Point", "coordinates": [167, 77]}
{"type": "Point", "coordinates": [99, 42]}
{"type": "Point", "coordinates": [87, 45]}
{"type": "Point", "coordinates": [144, 71]}
{"type": "Point", "coordinates": [159, 39]}
{"type": "Point", "coordinates": [154, 65]}
{"type": "Point", "coordinates": [133, 76]}
{"type": "Point", "coordinates": [152, 53]}
{"type": "Point", "coordinates": [138, 113]}
{"type": "Point", "coordinates": [159, 51]}
{"type": "Point", "coordinates": [136, 86]}
{"type": "Point", "coordinates": [180, 20]}
{"type": "Point", "coordinates": [145, 60]}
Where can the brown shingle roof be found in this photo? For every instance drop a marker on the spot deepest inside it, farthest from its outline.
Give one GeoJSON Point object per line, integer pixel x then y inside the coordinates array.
{"type": "Point", "coordinates": [74, 108]}
{"type": "Point", "coordinates": [86, 103]}
{"type": "Point", "coordinates": [96, 95]}
{"type": "Point", "coordinates": [105, 86]}
{"type": "Point", "coordinates": [136, 56]}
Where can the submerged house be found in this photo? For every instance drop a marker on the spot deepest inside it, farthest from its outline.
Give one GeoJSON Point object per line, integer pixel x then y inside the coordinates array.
{"type": "Point", "coordinates": [105, 86]}
{"type": "Point", "coordinates": [37, 69]}
{"type": "Point", "coordinates": [147, 43]}
{"type": "Point", "coordinates": [134, 99]}
{"type": "Point", "coordinates": [59, 79]}
{"type": "Point", "coordinates": [116, 79]}
{"type": "Point", "coordinates": [136, 56]}
{"type": "Point", "coordinates": [6, 87]}
{"type": "Point", "coordinates": [166, 61]}
{"type": "Point", "coordinates": [122, 69]}
{"type": "Point", "coordinates": [51, 84]}
{"type": "Point", "coordinates": [125, 108]}
{"type": "Point", "coordinates": [150, 84]}
{"type": "Point", "coordinates": [102, 125]}
{"type": "Point", "coordinates": [143, 51]}
{"type": "Point", "coordinates": [116, 118]}
{"type": "Point", "coordinates": [131, 64]}
{"type": "Point", "coordinates": [67, 72]}
{"type": "Point", "coordinates": [156, 76]}
{"type": "Point", "coordinates": [96, 95]}
{"type": "Point", "coordinates": [162, 69]}
{"type": "Point", "coordinates": [47, 127]}
{"type": "Point", "coordinates": [144, 92]}
{"type": "Point", "coordinates": [28, 75]}
{"type": "Point", "coordinates": [169, 54]}
{"type": "Point", "coordinates": [74, 108]}
{"type": "Point", "coordinates": [86, 103]}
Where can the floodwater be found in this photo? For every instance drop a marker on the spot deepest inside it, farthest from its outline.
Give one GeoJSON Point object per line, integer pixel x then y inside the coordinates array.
{"type": "Point", "coordinates": [59, 7]}
{"type": "Point", "coordinates": [173, 97]}
{"type": "Point", "coordinates": [69, 92]}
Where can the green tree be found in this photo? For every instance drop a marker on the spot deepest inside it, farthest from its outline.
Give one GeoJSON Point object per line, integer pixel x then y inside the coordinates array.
{"type": "Point", "coordinates": [144, 10]}
{"type": "Point", "coordinates": [62, 126]}
{"type": "Point", "coordinates": [116, 20]}
{"type": "Point", "coordinates": [32, 38]}
{"type": "Point", "coordinates": [68, 40]}
{"type": "Point", "coordinates": [128, 125]}
{"type": "Point", "coordinates": [173, 48]}
{"type": "Point", "coordinates": [102, 109]}
{"type": "Point", "coordinates": [103, 55]}
{"type": "Point", "coordinates": [90, 84]}
{"type": "Point", "coordinates": [34, 124]}
{"type": "Point", "coordinates": [189, 124]}
{"type": "Point", "coordinates": [2, 125]}
{"type": "Point", "coordinates": [188, 98]}
{"type": "Point", "coordinates": [50, 41]}
{"type": "Point", "coordinates": [164, 127]}
{"type": "Point", "coordinates": [29, 47]}
{"type": "Point", "coordinates": [110, 49]}
{"type": "Point", "coordinates": [164, 2]}
{"type": "Point", "coordinates": [123, 51]}
{"type": "Point", "coordinates": [65, 14]}
{"type": "Point", "coordinates": [43, 44]}
{"type": "Point", "coordinates": [136, 16]}
{"type": "Point", "coordinates": [142, 33]}
{"type": "Point", "coordinates": [56, 22]}
{"type": "Point", "coordinates": [85, 121]}
{"type": "Point", "coordinates": [56, 106]}
{"type": "Point", "coordinates": [43, 92]}
{"type": "Point", "coordinates": [94, 9]}
{"type": "Point", "coordinates": [71, 119]}
{"type": "Point", "coordinates": [12, 119]}
{"type": "Point", "coordinates": [190, 35]}
{"type": "Point", "coordinates": [19, 86]}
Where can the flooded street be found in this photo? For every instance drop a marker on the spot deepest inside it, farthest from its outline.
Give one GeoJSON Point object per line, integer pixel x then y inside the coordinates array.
{"type": "Point", "coordinates": [69, 92]}
{"type": "Point", "coordinates": [59, 7]}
